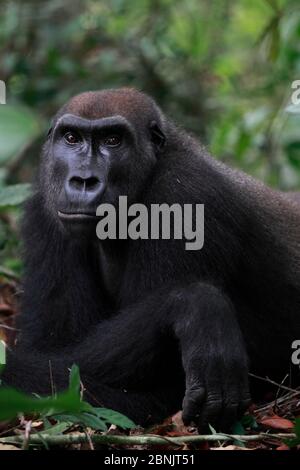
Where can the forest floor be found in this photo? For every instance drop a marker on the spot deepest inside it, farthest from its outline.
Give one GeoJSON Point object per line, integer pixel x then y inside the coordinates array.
{"type": "Point", "coordinates": [273, 424]}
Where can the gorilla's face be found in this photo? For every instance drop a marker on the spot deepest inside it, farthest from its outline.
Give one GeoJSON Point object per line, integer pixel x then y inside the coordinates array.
{"type": "Point", "coordinates": [92, 161]}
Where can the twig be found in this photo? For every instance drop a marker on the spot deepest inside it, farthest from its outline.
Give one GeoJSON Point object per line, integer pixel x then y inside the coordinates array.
{"type": "Point", "coordinates": [6, 327]}
{"type": "Point", "coordinates": [280, 388]}
{"type": "Point", "coordinates": [292, 393]}
{"type": "Point", "coordinates": [78, 438]}
{"type": "Point", "coordinates": [270, 381]}
{"type": "Point", "coordinates": [53, 391]}
{"type": "Point", "coordinates": [275, 403]}
{"type": "Point", "coordinates": [26, 439]}
{"type": "Point", "coordinates": [89, 439]}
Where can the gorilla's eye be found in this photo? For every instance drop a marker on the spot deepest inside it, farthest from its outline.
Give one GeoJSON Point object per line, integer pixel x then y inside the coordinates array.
{"type": "Point", "coordinates": [112, 140]}
{"type": "Point", "coordinates": [71, 138]}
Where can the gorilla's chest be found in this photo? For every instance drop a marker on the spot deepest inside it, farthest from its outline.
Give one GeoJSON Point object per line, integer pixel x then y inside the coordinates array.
{"type": "Point", "coordinates": [111, 267]}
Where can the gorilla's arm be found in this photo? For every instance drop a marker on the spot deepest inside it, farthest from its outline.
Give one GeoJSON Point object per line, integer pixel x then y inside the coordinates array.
{"type": "Point", "coordinates": [214, 361]}
{"type": "Point", "coordinates": [32, 372]}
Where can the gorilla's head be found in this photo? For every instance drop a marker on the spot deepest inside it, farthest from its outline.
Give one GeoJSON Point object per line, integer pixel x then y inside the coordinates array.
{"type": "Point", "coordinates": [101, 145]}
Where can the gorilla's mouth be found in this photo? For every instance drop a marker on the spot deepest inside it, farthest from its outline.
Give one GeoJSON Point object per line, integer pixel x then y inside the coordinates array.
{"type": "Point", "coordinates": [77, 216]}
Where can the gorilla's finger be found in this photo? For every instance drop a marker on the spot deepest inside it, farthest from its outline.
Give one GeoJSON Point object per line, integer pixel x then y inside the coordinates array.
{"type": "Point", "coordinates": [210, 412]}
{"type": "Point", "coordinates": [192, 403]}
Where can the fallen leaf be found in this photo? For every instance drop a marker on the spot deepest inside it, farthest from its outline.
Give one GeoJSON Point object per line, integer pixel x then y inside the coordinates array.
{"type": "Point", "coordinates": [276, 422]}
{"type": "Point", "coordinates": [5, 308]}
{"type": "Point", "coordinates": [179, 428]}
{"type": "Point", "coordinates": [8, 447]}
{"type": "Point", "coordinates": [283, 447]}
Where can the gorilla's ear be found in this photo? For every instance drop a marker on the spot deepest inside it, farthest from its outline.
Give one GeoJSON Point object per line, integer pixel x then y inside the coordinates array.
{"type": "Point", "coordinates": [157, 136]}
{"type": "Point", "coordinates": [52, 124]}
{"type": "Point", "coordinates": [49, 132]}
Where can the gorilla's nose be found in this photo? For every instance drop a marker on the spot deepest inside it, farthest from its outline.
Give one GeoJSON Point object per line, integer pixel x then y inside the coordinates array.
{"type": "Point", "coordinates": [77, 183]}
{"type": "Point", "coordinates": [89, 188]}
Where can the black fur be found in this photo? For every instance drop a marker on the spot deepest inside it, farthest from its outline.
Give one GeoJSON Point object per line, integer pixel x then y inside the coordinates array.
{"type": "Point", "coordinates": [173, 324]}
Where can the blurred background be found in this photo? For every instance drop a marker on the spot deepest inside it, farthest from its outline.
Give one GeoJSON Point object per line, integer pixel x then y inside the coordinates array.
{"type": "Point", "coordinates": [223, 69]}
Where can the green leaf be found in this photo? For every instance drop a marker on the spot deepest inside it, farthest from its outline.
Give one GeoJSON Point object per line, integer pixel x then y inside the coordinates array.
{"type": "Point", "coordinates": [74, 381]}
{"type": "Point", "coordinates": [18, 127]}
{"type": "Point", "coordinates": [57, 428]}
{"type": "Point", "coordinates": [248, 421]}
{"type": "Point", "coordinates": [297, 427]}
{"type": "Point", "coordinates": [239, 429]}
{"type": "Point", "coordinates": [13, 402]}
{"type": "Point", "coordinates": [7, 272]}
{"type": "Point", "coordinates": [292, 442]}
{"type": "Point", "coordinates": [296, 441]}
{"type": "Point", "coordinates": [293, 153]}
{"type": "Point", "coordinates": [84, 419]}
{"type": "Point", "coordinates": [212, 430]}
{"type": "Point", "coordinates": [14, 195]}
{"type": "Point", "coordinates": [274, 46]}
{"type": "Point", "coordinates": [114, 417]}
{"type": "Point", "coordinates": [66, 408]}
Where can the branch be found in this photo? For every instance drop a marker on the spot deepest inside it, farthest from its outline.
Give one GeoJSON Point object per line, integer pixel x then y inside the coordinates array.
{"type": "Point", "coordinates": [78, 438]}
{"type": "Point", "coordinates": [8, 327]}
{"type": "Point", "coordinates": [270, 381]}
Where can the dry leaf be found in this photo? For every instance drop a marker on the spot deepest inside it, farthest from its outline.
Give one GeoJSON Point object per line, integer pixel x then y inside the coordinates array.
{"type": "Point", "coordinates": [276, 422]}
{"type": "Point", "coordinates": [8, 447]}
{"type": "Point", "coordinates": [283, 447]}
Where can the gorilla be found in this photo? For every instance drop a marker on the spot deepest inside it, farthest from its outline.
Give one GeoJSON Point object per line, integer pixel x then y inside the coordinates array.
{"type": "Point", "coordinates": [153, 327]}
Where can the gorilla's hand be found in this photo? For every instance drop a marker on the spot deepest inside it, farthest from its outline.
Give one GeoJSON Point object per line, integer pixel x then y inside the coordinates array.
{"type": "Point", "coordinates": [216, 391]}
{"type": "Point", "coordinates": [214, 358]}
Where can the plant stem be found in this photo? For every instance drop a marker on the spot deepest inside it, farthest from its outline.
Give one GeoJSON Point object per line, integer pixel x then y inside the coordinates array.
{"type": "Point", "coordinates": [78, 438]}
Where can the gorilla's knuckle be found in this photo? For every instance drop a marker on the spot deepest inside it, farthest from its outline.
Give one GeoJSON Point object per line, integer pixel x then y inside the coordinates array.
{"type": "Point", "coordinates": [231, 403]}
{"type": "Point", "coordinates": [214, 400]}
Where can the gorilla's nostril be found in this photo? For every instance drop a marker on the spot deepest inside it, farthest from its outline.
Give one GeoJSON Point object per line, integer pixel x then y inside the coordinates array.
{"type": "Point", "coordinates": [77, 183]}
{"type": "Point", "coordinates": [87, 184]}
{"type": "Point", "coordinates": [91, 183]}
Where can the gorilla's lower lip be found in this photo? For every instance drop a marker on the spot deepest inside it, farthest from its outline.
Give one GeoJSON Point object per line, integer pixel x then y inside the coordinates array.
{"type": "Point", "coordinates": [77, 216]}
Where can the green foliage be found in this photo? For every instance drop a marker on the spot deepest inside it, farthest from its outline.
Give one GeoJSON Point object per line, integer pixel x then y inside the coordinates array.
{"type": "Point", "coordinates": [18, 127]}
{"type": "Point", "coordinates": [212, 65]}
{"type": "Point", "coordinates": [96, 418]}
{"type": "Point", "coordinates": [13, 195]}
{"type": "Point", "coordinates": [66, 408]}
{"type": "Point", "coordinates": [223, 70]}
{"type": "Point", "coordinates": [13, 402]}
{"type": "Point", "coordinates": [296, 441]}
